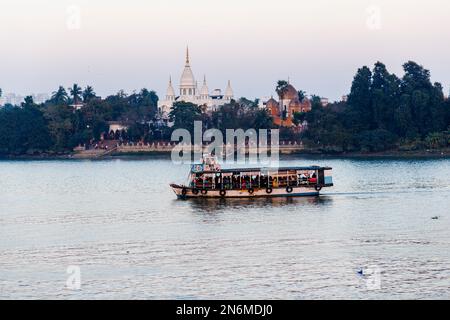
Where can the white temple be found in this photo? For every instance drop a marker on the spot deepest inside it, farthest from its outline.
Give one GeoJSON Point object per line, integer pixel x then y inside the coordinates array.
{"type": "Point", "coordinates": [189, 93]}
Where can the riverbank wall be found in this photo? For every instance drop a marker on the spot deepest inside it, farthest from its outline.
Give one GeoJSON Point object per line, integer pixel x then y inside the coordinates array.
{"type": "Point", "coordinates": [169, 147]}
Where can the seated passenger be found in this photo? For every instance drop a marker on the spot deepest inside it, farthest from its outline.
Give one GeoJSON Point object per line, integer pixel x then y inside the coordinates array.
{"type": "Point", "coordinates": [275, 182]}
{"type": "Point", "coordinates": [313, 179]}
{"type": "Point", "coordinates": [263, 182]}
{"type": "Point", "coordinates": [294, 181]}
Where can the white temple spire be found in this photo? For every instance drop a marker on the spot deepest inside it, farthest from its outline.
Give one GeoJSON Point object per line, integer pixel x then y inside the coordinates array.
{"type": "Point", "coordinates": [229, 91]}
{"type": "Point", "coordinates": [170, 95]}
{"type": "Point", "coordinates": [189, 90]}
{"type": "Point", "coordinates": [188, 85]}
{"type": "Point", "coordinates": [204, 92]}
{"type": "Point", "coordinates": [187, 56]}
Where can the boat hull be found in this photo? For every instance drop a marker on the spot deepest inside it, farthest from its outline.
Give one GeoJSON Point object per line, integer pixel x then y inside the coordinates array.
{"type": "Point", "coordinates": [189, 193]}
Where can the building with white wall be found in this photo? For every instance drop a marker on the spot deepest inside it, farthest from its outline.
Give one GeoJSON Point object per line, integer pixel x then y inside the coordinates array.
{"type": "Point", "coordinates": [189, 92]}
{"type": "Point", "coordinates": [17, 99]}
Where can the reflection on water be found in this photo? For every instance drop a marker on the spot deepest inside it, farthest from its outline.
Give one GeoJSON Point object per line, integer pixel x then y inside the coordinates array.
{"type": "Point", "coordinates": [219, 205]}
{"type": "Point", "coordinates": [120, 222]}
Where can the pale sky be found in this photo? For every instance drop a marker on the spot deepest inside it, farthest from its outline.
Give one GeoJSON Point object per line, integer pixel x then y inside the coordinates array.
{"type": "Point", "coordinates": [133, 44]}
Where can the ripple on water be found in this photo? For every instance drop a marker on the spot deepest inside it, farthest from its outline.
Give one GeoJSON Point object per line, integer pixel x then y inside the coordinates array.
{"type": "Point", "coordinates": [132, 239]}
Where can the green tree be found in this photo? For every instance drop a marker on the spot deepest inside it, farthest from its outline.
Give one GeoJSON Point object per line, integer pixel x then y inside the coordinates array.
{"type": "Point", "coordinates": [327, 132]}
{"type": "Point", "coordinates": [75, 92]}
{"type": "Point", "coordinates": [88, 94]}
{"type": "Point", "coordinates": [28, 102]}
{"type": "Point", "coordinates": [229, 116]}
{"type": "Point", "coordinates": [59, 97]}
{"type": "Point", "coordinates": [23, 131]}
{"type": "Point", "coordinates": [425, 101]}
{"type": "Point", "coordinates": [437, 140]}
{"type": "Point", "coordinates": [184, 114]}
{"type": "Point", "coordinates": [262, 120]}
{"type": "Point", "coordinates": [301, 95]}
{"type": "Point", "coordinates": [299, 117]}
{"type": "Point", "coordinates": [316, 102]}
{"type": "Point", "coordinates": [247, 103]}
{"type": "Point", "coordinates": [376, 140]}
{"type": "Point", "coordinates": [385, 92]}
{"type": "Point", "coordinates": [60, 125]}
{"type": "Point", "coordinates": [359, 99]}
{"type": "Point", "coordinates": [281, 87]}
{"type": "Point", "coordinates": [148, 98]}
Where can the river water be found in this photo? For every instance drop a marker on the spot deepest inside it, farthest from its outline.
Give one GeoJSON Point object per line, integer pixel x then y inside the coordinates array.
{"type": "Point", "coordinates": [116, 226]}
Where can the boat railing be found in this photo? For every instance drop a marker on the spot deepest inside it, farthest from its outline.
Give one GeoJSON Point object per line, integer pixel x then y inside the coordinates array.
{"type": "Point", "coordinates": [244, 185]}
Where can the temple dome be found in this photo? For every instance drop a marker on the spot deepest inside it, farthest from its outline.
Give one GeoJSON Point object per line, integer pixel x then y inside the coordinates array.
{"type": "Point", "coordinates": [289, 93]}
{"type": "Point", "coordinates": [187, 78]}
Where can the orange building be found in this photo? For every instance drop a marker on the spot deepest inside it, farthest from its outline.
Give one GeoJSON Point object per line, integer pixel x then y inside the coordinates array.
{"type": "Point", "coordinates": [289, 103]}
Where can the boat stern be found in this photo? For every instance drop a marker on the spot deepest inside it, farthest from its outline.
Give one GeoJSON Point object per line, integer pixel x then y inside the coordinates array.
{"type": "Point", "coordinates": [328, 178]}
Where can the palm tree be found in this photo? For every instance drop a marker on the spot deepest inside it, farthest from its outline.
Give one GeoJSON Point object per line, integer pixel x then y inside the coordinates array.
{"type": "Point", "coordinates": [281, 87]}
{"type": "Point", "coordinates": [60, 96]}
{"type": "Point", "coordinates": [75, 92]}
{"type": "Point", "coordinates": [88, 94]}
{"type": "Point", "coordinates": [302, 95]}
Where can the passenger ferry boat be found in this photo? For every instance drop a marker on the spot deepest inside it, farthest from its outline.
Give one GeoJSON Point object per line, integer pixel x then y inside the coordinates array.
{"type": "Point", "coordinates": [209, 180]}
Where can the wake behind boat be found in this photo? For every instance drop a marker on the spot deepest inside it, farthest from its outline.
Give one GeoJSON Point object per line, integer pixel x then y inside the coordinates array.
{"type": "Point", "coordinates": [209, 180]}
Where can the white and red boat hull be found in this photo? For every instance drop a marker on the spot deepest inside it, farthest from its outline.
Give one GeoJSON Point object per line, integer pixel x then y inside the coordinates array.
{"type": "Point", "coordinates": [187, 193]}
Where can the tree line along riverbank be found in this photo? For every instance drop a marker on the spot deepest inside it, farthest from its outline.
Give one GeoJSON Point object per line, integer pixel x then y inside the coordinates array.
{"type": "Point", "coordinates": [285, 153]}
{"type": "Point", "coordinates": [384, 113]}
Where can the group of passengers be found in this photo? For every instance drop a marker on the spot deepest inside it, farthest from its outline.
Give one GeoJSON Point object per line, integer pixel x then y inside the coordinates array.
{"type": "Point", "coordinates": [245, 182]}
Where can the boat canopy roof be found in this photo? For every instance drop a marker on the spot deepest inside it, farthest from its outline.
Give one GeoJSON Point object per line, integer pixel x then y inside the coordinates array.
{"type": "Point", "coordinates": [252, 170]}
